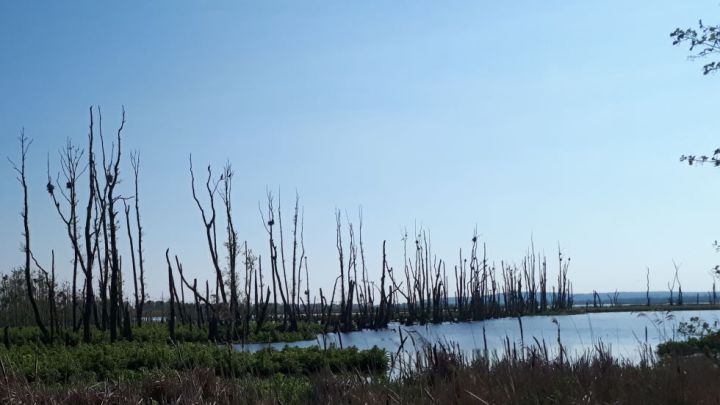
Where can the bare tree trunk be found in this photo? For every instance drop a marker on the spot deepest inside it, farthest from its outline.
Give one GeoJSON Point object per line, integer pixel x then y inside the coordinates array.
{"type": "Point", "coordinates": [260, 315]}
{"type": "Point", "coordinates": [135, 161]}
{"type": "Point", "coordinates": [381, 320]}
{"type": "Point", "coordinates": [70, 157]}
{"type": "Point", "coordinates": [198, 311]}
{"type": "Point", "coordinates": [89, 250]}
{"type": "Point", "coordinates": [209, 223]}
{"type": "Point", "coordinates": [212, 335]}
{"type": "Point", "coordinates": [24, 146]}
{"type": "Point", "coordinates": [50, 285]}
{"type": "Point", "coordinates": [112, 172]}
{"type": "Point", "coordinates": [132, 259]}
{"type": "Point", "coordinates": [275, 271]}
{"type": "Point", "coordinates": [277, 282]}
{"type": "Point", "coordinates": [127, 329]}
{"type": "Point", "coordinates": [647, 292]}
{"type": "Point", "coordinates": [249, 265]}
{"type": "Point", "coordinates": [171, 287]}
{"type": "Point", "coordinates": [232, 246]}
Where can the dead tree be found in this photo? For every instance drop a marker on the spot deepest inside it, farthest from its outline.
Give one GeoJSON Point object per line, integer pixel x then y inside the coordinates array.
{"type": "Point", "coordinates": [209, 222]}
{"type": "Point", "coordinates": [346, 299]}
{"type": "Point", "coordinates": [287, 303]}
{"type": "Point", "coordinates": [179, 299]}
{"type": "Point", "coordinates": [339, 244]}
{"type": "Point", "coordinates": [288, 311]}
{"type": "Point", "coordinates": [133, 262]}
{"type": "Point", "coordinates": [647, 291]}
{"type": "Point", "coordinates": [677, 279]}
{"type": "Point", "coordinates": [112, 174]}
{"type": "Point", "coordinates": [171, 287]}
{"type": "Point", "coordinates": [292, 292]}
{"type": "Point", "coordinates": [20, 169]}
{"type": "Point", "coordinates": [231, 244]}
{"type": "Point", "coordinates": [101, 232]}
{"type": "Point", "coordinates": [261, 307]}
{"type": "Point", "coordinates": [347, 321]}
{"type": "Point", "coordinates": [90, 231]}
{"type": "Point", "coordinates": [139, 305]}
{"type": "Point", "coordinates": [364, 294]}
{"type": "Point", "coordinates": [50, 285]}
{"type": "Point", "coordinates": [296, 260]}
{"type": "Point", "coordinates": [70, 157]}
{"type": "Point", "coordinates": [247, 289]}
{"type": "Point", "coordinates": [210, 308]}
{"type": "Point", "coordinates": [381, 318]}
{"type": "Point", "coordinates": [198, 311]}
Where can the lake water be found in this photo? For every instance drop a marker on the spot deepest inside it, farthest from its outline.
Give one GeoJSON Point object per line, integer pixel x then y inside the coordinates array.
{"type": "Point", "coordinates": [622, 332]}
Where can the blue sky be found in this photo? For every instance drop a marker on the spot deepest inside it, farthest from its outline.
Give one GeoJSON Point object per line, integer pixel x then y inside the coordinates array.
{"type": "Point", "coordinates": [560, 120]}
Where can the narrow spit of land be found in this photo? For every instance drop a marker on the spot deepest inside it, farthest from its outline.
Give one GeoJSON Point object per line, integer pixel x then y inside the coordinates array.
{"type": "Point", "coordinates": [630, 308]}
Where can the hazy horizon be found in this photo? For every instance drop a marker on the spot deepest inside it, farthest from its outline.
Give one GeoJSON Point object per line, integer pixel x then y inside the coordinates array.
{"type": "Point", "coordinates": [557, 122]}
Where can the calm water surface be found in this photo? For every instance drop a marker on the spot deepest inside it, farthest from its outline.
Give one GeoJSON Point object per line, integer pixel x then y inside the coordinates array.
{"type": "Point", "coordinates": [622, 332]}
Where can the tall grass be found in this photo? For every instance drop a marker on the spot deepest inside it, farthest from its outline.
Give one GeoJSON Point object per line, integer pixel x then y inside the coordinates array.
{"type": "Point", "coordinates": [441, 376]}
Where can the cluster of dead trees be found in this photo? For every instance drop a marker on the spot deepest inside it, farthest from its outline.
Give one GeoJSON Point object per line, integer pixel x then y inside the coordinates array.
{"type": "Point", "coordinates": [239, 297]}
{"type": "Point", "coordinates": [420, 294]}
{"type": "Point", "coordinates": [92, 223]}
{"type": "Point", "coordinates": [238, 303]}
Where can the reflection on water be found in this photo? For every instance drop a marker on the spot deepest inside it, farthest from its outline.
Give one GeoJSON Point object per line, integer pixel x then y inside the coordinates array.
{"type": "Point", "coordinates": [622, 332]}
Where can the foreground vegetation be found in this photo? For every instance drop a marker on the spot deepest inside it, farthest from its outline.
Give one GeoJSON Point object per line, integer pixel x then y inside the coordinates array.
{"type": "Point", "coordinates": [152, 371]}
{"type": "Point", "coordinates": [188, 373]}
{"type": "Point", "coordinates": [130, 361]}
{"type": "Point", "coordinates": [191, 373]}
{"type": "Point", "coordinates": [79, 342]}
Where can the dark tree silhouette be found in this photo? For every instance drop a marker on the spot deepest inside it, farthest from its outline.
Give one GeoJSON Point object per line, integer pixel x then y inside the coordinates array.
{"type": "Point", "coordinates": [704, 42]}
{"type": "Point", "coordinates": [209, 222]}
{"type": "Point", "coordinates": [112, 173]}
{"type": "Point", "coordinates": [70, 157]}
{"type": "Point", "coordinates": [20, 169]}
{"type": "Point", "coordinates": [135, 161]}
{"type": "Point", "coordinates": [171, 287]}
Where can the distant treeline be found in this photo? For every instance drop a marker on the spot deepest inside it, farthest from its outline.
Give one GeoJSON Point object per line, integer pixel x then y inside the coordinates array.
{"type": "Point", "coordinates": [642, 298]}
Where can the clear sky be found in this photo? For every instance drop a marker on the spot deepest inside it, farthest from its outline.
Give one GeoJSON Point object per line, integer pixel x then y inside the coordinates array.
{"type": "Point", "coordinates": [556, 119]}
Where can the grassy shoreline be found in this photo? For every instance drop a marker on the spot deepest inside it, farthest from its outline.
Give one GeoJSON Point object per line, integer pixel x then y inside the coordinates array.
{"type": "Point", "coordinates": [154, 370]}
{"type": "Point", "coordinates": [191, 374]}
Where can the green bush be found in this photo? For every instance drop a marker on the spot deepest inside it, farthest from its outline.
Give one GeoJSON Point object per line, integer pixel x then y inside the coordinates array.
{"type": "Point", "coordinates": [127, 360]}
{"type": "Point", "coordinates": [708, 344]}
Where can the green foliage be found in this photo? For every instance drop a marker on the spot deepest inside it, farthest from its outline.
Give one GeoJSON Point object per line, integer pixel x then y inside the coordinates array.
{"type": "Point", "coordinates": [709, 344]}
{"type": "Point", "coordinates": [285, 389]}
{"type": "Point", "coordinates": [129, 360]}
{"type": "Point", "coordinates": [701, 337]}
{"type": "Point", "coordinates": [703, 41]}
{"type": "Point", "coordinates": [593, 378]}
{"type": "Point", "coordinates": [157, 332]}
{"type": "Point", "coordinates": [271, 332]}
{"type": "Point", "coordinates": [697, 328]}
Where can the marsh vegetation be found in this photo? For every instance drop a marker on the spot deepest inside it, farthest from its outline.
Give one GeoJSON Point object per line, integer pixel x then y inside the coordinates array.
{"type": "Point", "coordinates": [258, 327]}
